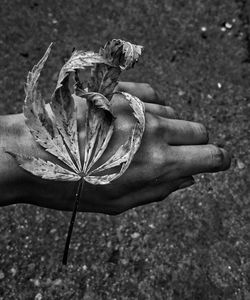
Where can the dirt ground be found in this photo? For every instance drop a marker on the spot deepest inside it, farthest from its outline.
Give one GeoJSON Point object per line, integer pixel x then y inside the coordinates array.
{"type": "Point", "coordinates": [196, 243]}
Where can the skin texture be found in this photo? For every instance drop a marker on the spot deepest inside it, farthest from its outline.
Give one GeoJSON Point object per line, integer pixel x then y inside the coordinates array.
{"type": "Point", "coordinates": [171, 151]}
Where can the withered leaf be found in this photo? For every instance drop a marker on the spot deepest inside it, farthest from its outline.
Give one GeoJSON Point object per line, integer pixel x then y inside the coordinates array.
{"type": "Point", "coordinates": [64, 109]}
{"type": "Point", "coordinates": [41, 125]}
{"type": "Point", "coordinates": [54, 126]}
{"type": "Point", "coordinates": [57, 132]}
{"type": "Point", "coordinates": [126, 152]}
{"type": "Point", "coordinates": [99, 126]}
{"type": "Point", "coordinates": [45, 169]}
{"type": "Point", "coordinates": [80, 60]}
{"type": "Point", "coordinates": [120, 56]}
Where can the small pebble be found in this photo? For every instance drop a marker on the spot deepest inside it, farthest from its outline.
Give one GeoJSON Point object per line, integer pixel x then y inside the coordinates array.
{"type": "Point", "coordinates": [38, 296]}
{"type": "Point", "coordinates": [135, 235]}
{"type": "Point", "coordinates": [48, 281]}
{"type": "Point", "coordinates": [13, 271]}
{"type": "Point", "coordinates": [181, 93]}
{"type": "Point", "coordinates": [84, 267]}
{"type": "Point", "coordinates": [36, 282]}
{"type": "Point", "coordinates": [124, 261]}
{"type": "Point", "coordinates": [240, 164]}
{"type": "Point", "coordinates": [228, 25]}
{"type": "Point", "coordinates": [57, 281]}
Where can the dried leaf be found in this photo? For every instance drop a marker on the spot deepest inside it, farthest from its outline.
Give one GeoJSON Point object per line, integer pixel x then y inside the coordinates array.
{"type": "Point", "coordinates": [63, 105]}
{"type": "Point", "coordinates": [55, 128]}
{"type": "Point", "coordinates": [80, 60]}
{"type": "Point", "coordinates": [64, 109]}
{"type": "Point", "coordinates": [131, 53]}
{"type": "Point", "coordinates": [120, 157]}
{"type": "Point", "coordinates": [38, 120]}
{"type": "Point", "coordinates": [44, 169]}
{"type": "Point", "coordinates": [99, 128]}
{"type": "Point", "coordinates": [58, 133]}
{"type": "Point", "coordinates": [126, 152]}
{"type": "Point", "coordinates": [104, 80]}
{"type": "Point", "coordinates": [120, 55]}
{"type": "Point", "coordinates": [100, 180]}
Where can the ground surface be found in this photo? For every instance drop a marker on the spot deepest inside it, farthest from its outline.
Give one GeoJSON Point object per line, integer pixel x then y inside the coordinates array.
{"type": "Point", "coordinates": [194, 245]}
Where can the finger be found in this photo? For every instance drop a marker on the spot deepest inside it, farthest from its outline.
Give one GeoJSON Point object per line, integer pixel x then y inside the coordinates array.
{"type": "Point", "coordinates": [144, 91]}
{"type": "Point", "coordinates": [151, 193]}
{"type": "Point", "coordinates": [190, 160]}
{"type": "Point", "coordinates": [180, 132]}
{"type": "Point", "coordinates": [160, 110]}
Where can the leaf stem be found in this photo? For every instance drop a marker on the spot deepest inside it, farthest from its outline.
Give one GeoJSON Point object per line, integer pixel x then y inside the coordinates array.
{"type": "Point", "coordinates": [72, 221]}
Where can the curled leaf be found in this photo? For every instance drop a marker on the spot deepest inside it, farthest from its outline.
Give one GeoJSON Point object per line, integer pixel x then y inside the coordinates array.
{"type": "Point", "coordinates": [54, 126]}
{"type": "Point", "coordinates": [120, 55]}
{"type": "Point", "coordinates": [80, 60]}
{"type": "Point", "coordinates": [131, 55]}
{"type": "Point", "coordinates": [124, 155]}
{"type": "Point", "coordinates": [57, 132]}
{"type": "Point", "coordinates": [104, 80]}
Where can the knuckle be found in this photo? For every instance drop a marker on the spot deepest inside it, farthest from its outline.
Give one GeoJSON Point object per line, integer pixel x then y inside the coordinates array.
{"type": "Point", "coordinates": [158, 156]}
{"type": "Point", "coordinates": [153, 123]}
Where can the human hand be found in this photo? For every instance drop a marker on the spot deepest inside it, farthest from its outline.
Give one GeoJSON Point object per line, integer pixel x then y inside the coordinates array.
{"type": "Point", "coordinates": [171, 151]}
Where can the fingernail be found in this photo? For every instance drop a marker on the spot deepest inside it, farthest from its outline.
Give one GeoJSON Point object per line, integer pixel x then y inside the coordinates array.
{"type": "Point", "coordinates": [186, 184]}
{"type": "Point", "coordinates": [226, 159]}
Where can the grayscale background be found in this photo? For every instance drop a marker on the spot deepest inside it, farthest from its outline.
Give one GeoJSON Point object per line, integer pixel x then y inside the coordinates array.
{"type": "Point", "coordinates": [196, 243]}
